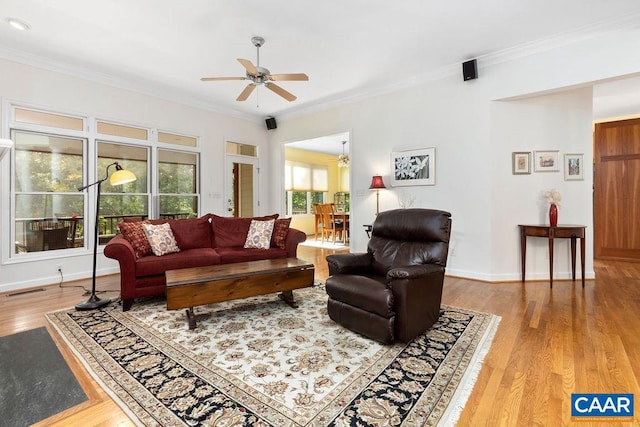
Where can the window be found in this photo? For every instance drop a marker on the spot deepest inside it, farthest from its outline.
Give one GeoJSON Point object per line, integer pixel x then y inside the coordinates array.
{"type": "Point", "coordinates": [56, 154]}
{"type": "Point", "coordinates": [305, 185]}
{"type": "Point", "coordinates": [48, 207]}
{"type": "Point", "coordinates": [122, 201]}
{"type": "Point", "coordinates": [178, 184]}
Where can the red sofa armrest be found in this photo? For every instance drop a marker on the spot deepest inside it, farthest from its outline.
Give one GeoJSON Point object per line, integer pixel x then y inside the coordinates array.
{"type": "Point", "coordinates": [294, 236]}
{"type": "Point", "coordinates": [121, 250]}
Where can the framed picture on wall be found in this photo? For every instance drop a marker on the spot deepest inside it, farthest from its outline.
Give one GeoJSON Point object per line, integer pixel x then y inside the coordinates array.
{"type": "Point", "coordinates": [573, 167]}
{"type": "Point", "coordinates": [413, 167]}
{"type": "Point", "coordinates": [546, 161]}
{"type": "Point", "coordinates": [521, 162]}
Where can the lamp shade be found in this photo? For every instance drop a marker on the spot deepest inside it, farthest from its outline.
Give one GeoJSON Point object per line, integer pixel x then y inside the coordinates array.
{"type": "Point", "coordinates": [377, 183]}
{"type": "Point", "coordinates": [121, 176]}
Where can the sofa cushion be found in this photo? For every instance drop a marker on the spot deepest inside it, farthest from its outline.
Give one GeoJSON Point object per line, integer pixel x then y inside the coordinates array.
{"type": "Point", "coordinates": [161, 238]}
{"type": "Point", "coordinates": [133, 232]}
{"type": "Point", "coordinates": [280, 231]}
{"type": "Point", "coordinates": [152, 266]}
{"type": "Point", "coordinates": [232, 232]}
{"type": "Point", "coordinates": [259, 235]}
{"type": "Point", "coordinates": [239, 254]}
{"type": "Point", "coordinates": [192, 233]}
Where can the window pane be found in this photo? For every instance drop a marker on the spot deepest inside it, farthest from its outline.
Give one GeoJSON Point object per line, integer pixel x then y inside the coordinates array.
{"type": "Point", "coordinates": [48, 221]}
{"type": "Point", "coordinates": [121, 201]}
{"type": "Point", "coordinates": [298, 203]}
{"type": "Point", "coordinates": [48, 119]}
{"type": "Point", "coordinates": [131, 158]}
{"type": "Point", "coordinates": [175, 207]}
{"type": "Point", "coordinates": [115, 208]}
{"type": "Point", "coordinates": [121, 130]}
{"type": "Point", "coordinates": [172, 138]}
{"type": "Point", "coordinates": [47, 163]}
{"type": "Point", "coordinates": [242, 149]}
{"type": "Point", "coordinates": [317, 197]}
{"type": "Point", "coordinates": [177, 172]}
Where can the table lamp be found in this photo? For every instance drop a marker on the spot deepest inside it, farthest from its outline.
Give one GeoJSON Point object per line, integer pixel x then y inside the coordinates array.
{"type": "Point", "coordinates": [377, 184]}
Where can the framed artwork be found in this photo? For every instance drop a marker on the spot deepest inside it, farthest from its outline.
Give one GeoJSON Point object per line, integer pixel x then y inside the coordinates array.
{"type": "Point", "coordinates": [546, 161]}
{"type": "Point", "coordinates": [521, 163]}
{"type": "Point", "coordinates": [573, 167]}
{"type": "Point", "coordinates": [413, 167]}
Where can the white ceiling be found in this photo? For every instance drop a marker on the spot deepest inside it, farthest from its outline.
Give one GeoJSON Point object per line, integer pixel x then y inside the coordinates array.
{"type": "Point", "coordinates": [348, 48]}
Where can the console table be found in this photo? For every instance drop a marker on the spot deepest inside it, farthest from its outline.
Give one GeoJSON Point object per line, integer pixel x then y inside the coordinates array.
{"type": "Point", "coordinates": [572, 232]}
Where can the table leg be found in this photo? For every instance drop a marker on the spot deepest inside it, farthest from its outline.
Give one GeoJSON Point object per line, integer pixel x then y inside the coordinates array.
{"type": "Point", "coordinates": [287, 296]}
{"type": "Point", "coordinates": [573, 258]}
{"type": "Point", "coordinates": [582, 254]}
{"type": "Point", "coordinates": [551, 261]}
{"type": "Point", "coordinates": [192, 318]}
{"type": "Point", "coordinates": [523, 251]}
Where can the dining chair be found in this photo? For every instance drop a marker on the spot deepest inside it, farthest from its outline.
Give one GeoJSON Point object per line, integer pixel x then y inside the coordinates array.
{"type": "Point", "coordinates": [331, 224]}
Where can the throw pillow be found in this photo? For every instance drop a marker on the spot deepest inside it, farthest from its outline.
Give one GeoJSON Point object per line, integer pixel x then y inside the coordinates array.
{"type": "Point", "coordinates": [161, 238]}
{"type": "Point", "coordinates": [259, 235]}
{"type": "Point", "coordinates": [134, 234]}
{"type": "Point", "coordinates": [280, 231]}
{"type": "Point", "coordinates": [229, 232]}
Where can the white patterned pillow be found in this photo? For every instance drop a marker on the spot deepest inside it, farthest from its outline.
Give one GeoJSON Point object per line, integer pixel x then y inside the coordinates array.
{"type": "Point", "coordinates": [259, 235]}
{"type": "Point", "coordinates": [161, 238]}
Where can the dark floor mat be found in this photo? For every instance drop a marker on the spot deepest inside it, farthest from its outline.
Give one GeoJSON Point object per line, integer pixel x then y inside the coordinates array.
{"type": "Point", "coordinates": [35, 380]}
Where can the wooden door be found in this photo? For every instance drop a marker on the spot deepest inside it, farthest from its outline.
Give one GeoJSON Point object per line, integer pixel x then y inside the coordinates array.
{"type": "Point", "coordinates": [617, 190]}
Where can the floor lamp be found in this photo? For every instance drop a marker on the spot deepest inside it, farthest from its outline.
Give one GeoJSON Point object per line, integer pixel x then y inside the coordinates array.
{"type": "Point", "coordinates": [377, 184]}
{"type": "Point", "coordinates": [119, 177]}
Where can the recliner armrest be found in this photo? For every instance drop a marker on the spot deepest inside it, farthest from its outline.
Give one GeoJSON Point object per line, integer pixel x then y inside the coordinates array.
{"type": "Point", "coordinates": [349, 263]}
{"type": "Point", "coordinates": [413, 271]}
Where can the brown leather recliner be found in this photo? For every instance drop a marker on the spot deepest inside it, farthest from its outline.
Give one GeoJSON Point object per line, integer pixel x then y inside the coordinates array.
{"type": "Point", "coordinates": [393, 291]}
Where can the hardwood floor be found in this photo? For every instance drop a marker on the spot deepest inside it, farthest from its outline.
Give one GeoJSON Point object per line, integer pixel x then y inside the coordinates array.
{"type": "Point", "coordinates": [550, 343]}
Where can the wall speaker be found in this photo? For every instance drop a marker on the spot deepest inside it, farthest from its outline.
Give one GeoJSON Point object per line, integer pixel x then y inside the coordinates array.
{"type": "Point", "coordinates": [271, 123]}
{"type": "Point", "coordinates": [470, 70]}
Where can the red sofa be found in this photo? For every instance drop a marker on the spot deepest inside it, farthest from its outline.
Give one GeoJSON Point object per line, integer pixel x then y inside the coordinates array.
{"type": "Point", "coordinates": [207, 240]}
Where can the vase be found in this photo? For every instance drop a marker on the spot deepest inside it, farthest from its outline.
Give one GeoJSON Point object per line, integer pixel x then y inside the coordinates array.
{"type": "Point", "coordinates": [553, 215]}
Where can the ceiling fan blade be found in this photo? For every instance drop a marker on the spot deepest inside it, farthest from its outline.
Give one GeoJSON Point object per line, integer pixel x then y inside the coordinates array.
{"type": "Point", "coordinates": [248, 65]}
{"type": "Point", "coordinates": [213, 79]}
{"type": "Point", "coordinates": [246, 92]}
{"type": "Point", "coordinates": [289, 77]}
{"type": "Point", "coordinates": [283, 93]}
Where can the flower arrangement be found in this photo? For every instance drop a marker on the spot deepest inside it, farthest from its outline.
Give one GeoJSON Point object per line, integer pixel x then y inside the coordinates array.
{"type": "Point", "coordinates": [553, 197]}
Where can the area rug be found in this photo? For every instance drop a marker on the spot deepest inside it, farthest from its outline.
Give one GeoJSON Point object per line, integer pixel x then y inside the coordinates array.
{"type": "Point", "coordinates": [35, 380]}
{"type": "Point", "coordinates": [259, 362]}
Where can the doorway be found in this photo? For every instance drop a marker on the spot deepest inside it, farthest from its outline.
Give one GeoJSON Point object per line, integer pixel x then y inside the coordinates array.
{"type": "Point", "coordinates": [317, 170]}
{"type": "Point", "coordinates": [242, 180]}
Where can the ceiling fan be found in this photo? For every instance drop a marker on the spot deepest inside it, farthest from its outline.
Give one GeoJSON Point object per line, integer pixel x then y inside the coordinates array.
{"type": "Point", "coordinates": [261, 76]}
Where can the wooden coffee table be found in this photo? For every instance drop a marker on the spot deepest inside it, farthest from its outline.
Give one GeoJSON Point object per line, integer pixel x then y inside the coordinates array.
{"type": "Point", "coordinates": [190, 287]}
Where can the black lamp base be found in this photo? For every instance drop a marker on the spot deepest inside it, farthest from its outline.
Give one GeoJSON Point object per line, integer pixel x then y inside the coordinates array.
{"type": "Point", "coordinates": [92, 303]}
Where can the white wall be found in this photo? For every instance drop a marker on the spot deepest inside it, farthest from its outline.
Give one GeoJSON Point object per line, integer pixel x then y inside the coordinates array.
{"type": "Point", "coordinates": [58, 92]}
{"type": "Point", "coordinates": [526, 104]}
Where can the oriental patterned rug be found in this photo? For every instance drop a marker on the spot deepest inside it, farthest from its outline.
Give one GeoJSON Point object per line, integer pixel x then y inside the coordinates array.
{"type": "Point", "coordinates": [258, 362]}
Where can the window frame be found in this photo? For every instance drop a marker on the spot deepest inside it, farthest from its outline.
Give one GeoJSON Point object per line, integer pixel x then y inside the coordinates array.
{"type": "Point", "coordinates": [90, 170]}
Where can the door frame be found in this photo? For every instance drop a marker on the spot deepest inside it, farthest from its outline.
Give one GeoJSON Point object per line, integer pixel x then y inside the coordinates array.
{"type": "Point", "coordinates": [230, 161]}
